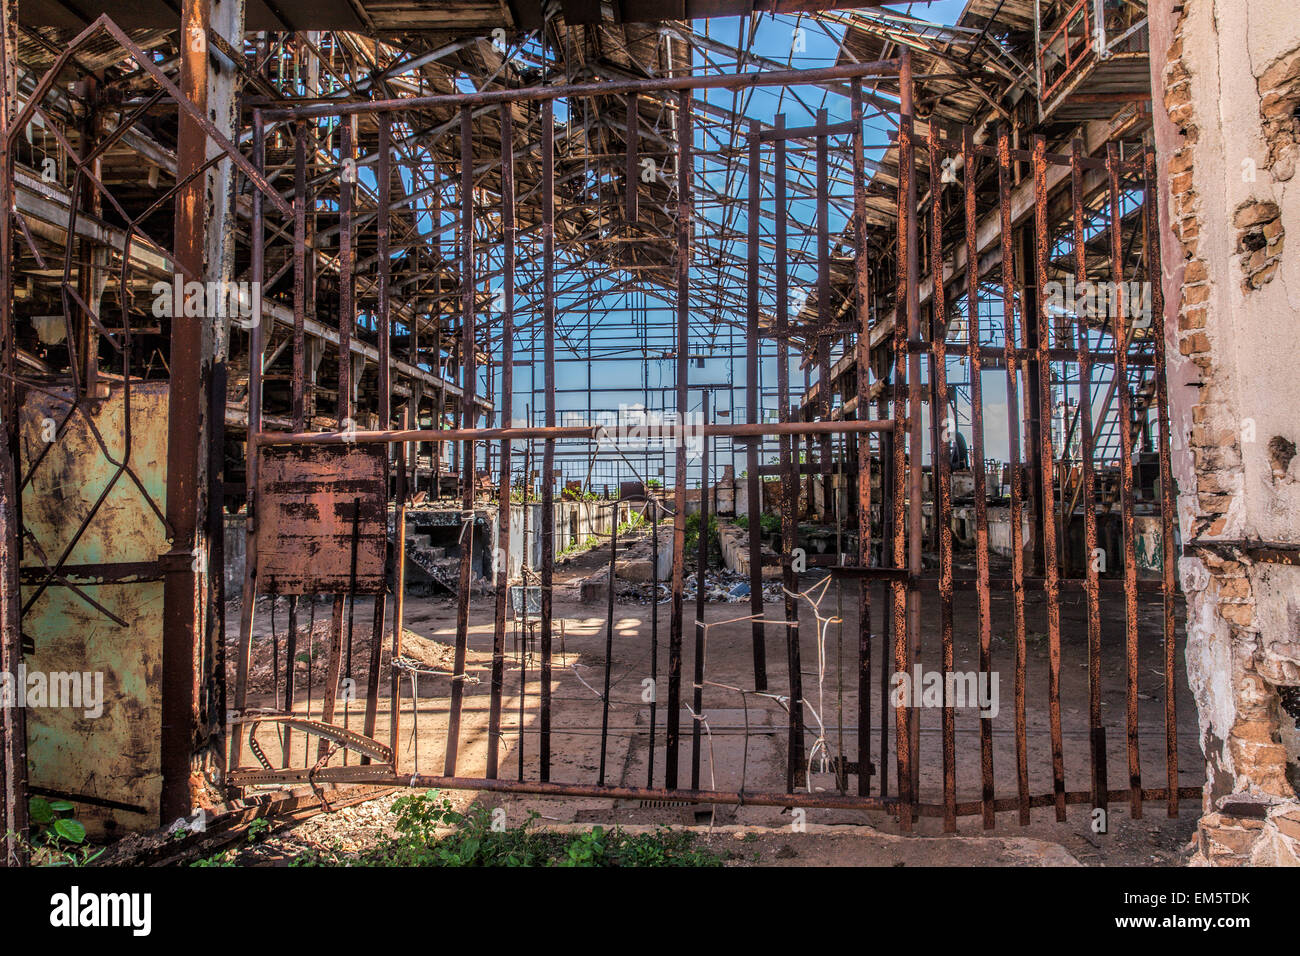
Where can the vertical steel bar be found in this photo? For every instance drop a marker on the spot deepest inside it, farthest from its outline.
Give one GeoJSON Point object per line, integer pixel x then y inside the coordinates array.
{"type": "Point", "coordinates": [1013, 453]}
{"type": "Point", "coordinates": [685, 133]}
{"type": "Point", "coordinates": [1092, 589]}
{"type": "Point", "coordinates": [547, 516]}
{"type": "Point", "coordinates": [469, 415]}
{"type": "Point", "coordinates": [334, 663]}
{"type": "Point", "coordinates": [299, 273]}
{"type": "Point", "coordinates": [824, 316]}
{"type": "Point", "coordinates": [915, 410]}
{"type": "Point", "coordinates": [943, 510]}
{"type": "Point", "coordinates": [654, 633]}
{"type": "Point", "coordinates": [439, 406]}
{"type": "Point", "coordinates": [901, 589]}
{"type": "Point", "coordinates": [789, 471]}
{"type": "Point", "coordinates": [702, 567]}
{"type": "Point", "coordinates": [1119, 325]}
{"type": "Point", "coordinates": [753, 501]}
{"type": "Point", "coordinates": [190, 363]}
{"type": "Point", "coordinates": [399, 611]}
{"type": "Point", "coordinates": [975, 358]}
{"type": "Point", "coordinates": [507, 416]}
{"type": "Point", "coordinates": [609, 646]}
{"type": "Point", "coordinates": [383, 323]}
{"type": "Point", "coordinates": [1047, 472]}
{"type": "Point", "coordinates": [256, 352]}
{"type": "Point", "coordinates": [14, 821]}
{"type": "Point", "coordinates": [1151, 226]}
{"type": "Point", "coordinates": [862, 299]}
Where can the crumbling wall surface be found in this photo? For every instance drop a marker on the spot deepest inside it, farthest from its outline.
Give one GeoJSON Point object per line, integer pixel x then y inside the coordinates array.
{"type": "Point", "coordinates": [1227, 143]}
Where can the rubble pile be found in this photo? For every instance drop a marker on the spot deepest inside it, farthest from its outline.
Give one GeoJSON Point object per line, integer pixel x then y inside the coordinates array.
{"type": "Point", "coordinates": [721, 587]}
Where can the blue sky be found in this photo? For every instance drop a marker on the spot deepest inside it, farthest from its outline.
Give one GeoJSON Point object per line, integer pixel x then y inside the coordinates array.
{"type": "Point", "coordinates": [647, 377]}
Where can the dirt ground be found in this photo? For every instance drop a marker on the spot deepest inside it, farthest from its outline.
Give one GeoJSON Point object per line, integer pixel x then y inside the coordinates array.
{"type": "Point", "coordinates": [732, 759]}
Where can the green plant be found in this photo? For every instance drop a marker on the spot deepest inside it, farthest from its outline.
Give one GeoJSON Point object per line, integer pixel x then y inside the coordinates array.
{"type": "Point", "coordinates": [220, 858]}
{"type": "Point", "coordinates": [573, 548]}
{"type": "Point", "coordinates": [693, 533]}
{"type": "Point", "coordinates": [258, 829]}
{"type": "Point", "coordinates": [430, 832]}
{"type": "Point", "coordinates": [635, 520]}
{"type": "Point", "coordinates": [57, 839]}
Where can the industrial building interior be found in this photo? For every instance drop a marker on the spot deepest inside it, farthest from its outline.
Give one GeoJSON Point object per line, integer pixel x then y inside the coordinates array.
{"type": "Point", "coordinates": [665, 412]}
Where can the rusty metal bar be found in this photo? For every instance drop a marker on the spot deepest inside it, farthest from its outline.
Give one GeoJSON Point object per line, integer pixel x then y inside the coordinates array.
{"type": "Point", "coordinates": [609, 646]}
{"type": "Point", "coordinates": [507, 414]}
{"type": "Point", "coordinates": [654, 634]}
{"type": "Point", "coordinates": [383, 322]}
{"type": "Point", "coordinates": [824, 316]}
{"type": "Point", "coordinates": [915, 399]}
{"type": "Point", "coordinates": [1097, 732]}
{"type": "Point", "coordinates": [943, 510]}
{"type": "Point", "coordinates": [256, 354]}
{"type": "Point", "coordinates": [902, 659]}
{"type": "Point", "coordinates": [862, 299]}
{"type": "Point", "coordinates": [398, 578]}
{"type": "Point", "coordinates": [977, 445]}
{"type": "Point", "coordinates": [298, 384]}
{"type": "Point", "coordinates": [190, 366]}
{"type": "Point", "coordinates": [1119, 326]}
{"type": "Point", "coordinates": [1151, 234]}
{"type": "Point", "coordinates": [1013, 438]}
{"type": "Point", "coordinates": [685, 134]}
{"type": "Point", "coordinates": [789, 484]}
{"type": "Point", "coordinates": [547, 516]}
{"type": "Point", "coordinates": [702, 565]}
{"type": "Point", "coordinates": [1047, 472]}
{"type": "Point", "coordinates": [469, 413]}
{"type": "Point", "coordinates": [752, 487]}
{"type": "Point", "coordinates": [13, 731]}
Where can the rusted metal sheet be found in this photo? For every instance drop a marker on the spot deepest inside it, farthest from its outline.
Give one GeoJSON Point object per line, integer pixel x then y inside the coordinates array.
{"type": "Point", "coordinates": [307, 500]}
{"type": "Point", "coordinates": [113, 754]}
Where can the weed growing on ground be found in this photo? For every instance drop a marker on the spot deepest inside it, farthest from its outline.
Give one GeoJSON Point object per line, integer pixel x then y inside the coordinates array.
{"type": "Point", "coordinates": [430, 832]}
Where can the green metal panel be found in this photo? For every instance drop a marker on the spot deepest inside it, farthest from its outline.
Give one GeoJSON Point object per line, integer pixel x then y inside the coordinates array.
{"type": "Point", "coordinates": [114, 755]}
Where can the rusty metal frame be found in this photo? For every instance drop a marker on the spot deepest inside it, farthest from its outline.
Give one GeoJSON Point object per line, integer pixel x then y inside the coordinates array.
{"type": "Point", "coordinates": [900, 436]}
{"type": "Point", "coordinates": [180, 520]}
